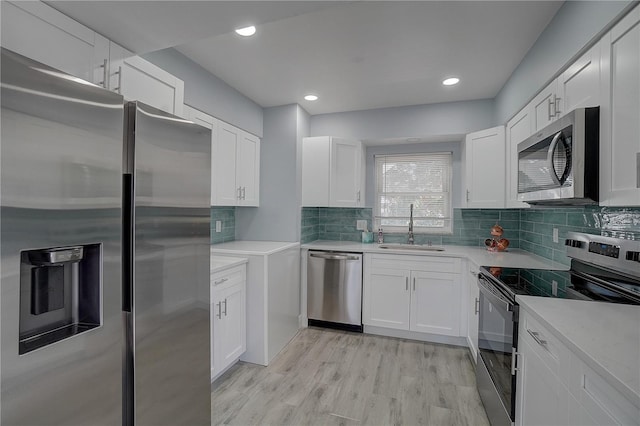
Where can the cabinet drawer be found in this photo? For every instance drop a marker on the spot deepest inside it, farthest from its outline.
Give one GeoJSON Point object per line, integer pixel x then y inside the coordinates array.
{"type": "Point", "coordinates": [417, 263]}
{"type": "Point", "coordinates": [599, 399]}
{"type": "Point", "coordinates": [229, 277]}
{"type": "Point", "coordinates": [551, 351]}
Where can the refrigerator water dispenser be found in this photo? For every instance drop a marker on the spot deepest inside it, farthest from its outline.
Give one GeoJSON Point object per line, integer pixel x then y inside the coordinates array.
{"type": "Point", "coordinates": [59, 294]}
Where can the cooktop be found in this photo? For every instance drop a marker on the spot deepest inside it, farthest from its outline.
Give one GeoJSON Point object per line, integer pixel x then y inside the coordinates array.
{"type": "Point", "coordinates": [583, 282]}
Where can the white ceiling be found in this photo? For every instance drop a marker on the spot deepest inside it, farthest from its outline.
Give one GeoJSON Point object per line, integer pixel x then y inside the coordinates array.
{"type": "Point", "coordinates": [353, 55]}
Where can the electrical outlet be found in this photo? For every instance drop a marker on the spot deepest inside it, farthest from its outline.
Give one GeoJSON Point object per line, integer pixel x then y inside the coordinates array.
{"type": "Point", "coordinates": [361, 225]}
{"type": "Point", "coordinates": [554, 287]}
{"type": "Point", "coordinates": [555, 235]}
{"type": "Point", "coordinates": [218, 226]}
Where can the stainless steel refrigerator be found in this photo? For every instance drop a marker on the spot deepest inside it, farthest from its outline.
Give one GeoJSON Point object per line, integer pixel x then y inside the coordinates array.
{"type": "Point", "coordinates": [104, 244]}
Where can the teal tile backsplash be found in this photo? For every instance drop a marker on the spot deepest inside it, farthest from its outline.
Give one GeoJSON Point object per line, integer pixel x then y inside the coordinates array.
{"type": "Point", "coordinates": [536, 227]}
{"type": "Point", "coordinates": [228, 217]}
{"type": "Point", "coordinates": [528, 229]}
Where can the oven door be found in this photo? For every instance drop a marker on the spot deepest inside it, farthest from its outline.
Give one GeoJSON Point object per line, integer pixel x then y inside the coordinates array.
{"type": "Point", "coordinates": [497, 343]}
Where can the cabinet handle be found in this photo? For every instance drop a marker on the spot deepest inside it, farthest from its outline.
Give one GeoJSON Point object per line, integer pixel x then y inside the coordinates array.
{"type": "Point", "coordinates": [358, 195]}
{"type": "Point", "coordinates": [219, 311]}
{"type": "Point", "coordinates": [239, 193]}
{"type": "Point", "coordinates": [406, 283]}
{"type": "Point", "coordinates": [467, 195]}
{"type": "Point", "coordinates": [549, 103]}
{"type": "Point", "coordinates": [474, 273]}
{"type": "Point", "coordinates": [119, 88]}
{"type": "Point", "coordinates": [244, 192]}
{"type": "Point", "coordinates": [556, 106]}
{"type": "Point", "coordinates": [103, 83]}
{"type": "Point", "coordinates": [220, 281]}
{"type": "Point", "coordinates": [514, 357]}
{"type": "Point", "coordinates": [638, 170]}
{"type": "Point", "coordinates": [414, 283]}
{"type": "Point", "coordinates": [225, 306]}
{"type": "Point", "coordinates": [536, 337]}
{"type": "Point", "coordinates": [477, 306]}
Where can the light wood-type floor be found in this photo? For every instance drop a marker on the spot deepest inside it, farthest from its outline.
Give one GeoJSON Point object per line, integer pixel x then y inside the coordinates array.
{"type": "Point", "coordinates": [326, 377]}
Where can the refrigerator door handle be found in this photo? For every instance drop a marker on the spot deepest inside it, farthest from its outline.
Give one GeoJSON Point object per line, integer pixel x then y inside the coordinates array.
{"type": "Point", "coordinates": [127, 242]}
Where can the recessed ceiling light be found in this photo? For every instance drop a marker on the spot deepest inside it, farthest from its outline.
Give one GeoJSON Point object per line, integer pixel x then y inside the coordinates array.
{"type": "Point", "coordinates": [451, 81]}
{"type": "Point", "coordinates": [311, 97]}
{"type": "Point", "coordinates": [246, 31]}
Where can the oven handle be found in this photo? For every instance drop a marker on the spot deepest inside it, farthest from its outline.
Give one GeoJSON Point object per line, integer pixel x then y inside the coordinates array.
{"type": "Point", "coordinates": [483, 285]}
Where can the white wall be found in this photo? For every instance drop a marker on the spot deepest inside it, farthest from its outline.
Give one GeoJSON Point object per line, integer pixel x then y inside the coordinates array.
{"type": "Point", "coordinates": [418, 148]}
{"type": "Point", "coordinates": [206, 92]}
{"type": "Point", "coordinates": [278, 217]}
{"type": "Point", "coordinates": [570, 31]}
{"type": "Point", "coordinates": [410, 121]}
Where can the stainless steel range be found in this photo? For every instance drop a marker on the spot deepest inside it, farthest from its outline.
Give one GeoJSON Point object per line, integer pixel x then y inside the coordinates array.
{"type": "Point", "coordinates": [603, 269]}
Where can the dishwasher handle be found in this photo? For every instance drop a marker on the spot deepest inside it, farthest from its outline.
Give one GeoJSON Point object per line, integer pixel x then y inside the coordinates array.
{"type": "Point", "coordinates": [331, 256]}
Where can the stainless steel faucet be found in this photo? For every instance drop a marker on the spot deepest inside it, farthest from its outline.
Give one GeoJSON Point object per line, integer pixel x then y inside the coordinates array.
{"type": "Point", "coordinates": [410, 241]}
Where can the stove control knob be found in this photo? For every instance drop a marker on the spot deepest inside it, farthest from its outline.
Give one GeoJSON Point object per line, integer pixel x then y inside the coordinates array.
{"type": "Point", "coordinates": [633, 256]}
{"type": "Point", "coordinates": [573, 243]}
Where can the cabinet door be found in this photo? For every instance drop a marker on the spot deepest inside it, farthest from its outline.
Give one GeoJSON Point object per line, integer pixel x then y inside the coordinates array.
{"type": "Point", "coordinates": [620, 114]}
{"type": "Point", "coordinates": [35, 30]}
{"type": "Point", "coordinates": [233, 341]}
{"type": "Point", "coordinates": [435, 303]}
{"type": "Point", "coordinates": [217, 324]}
{"type": "Point", "coordinates": [544, 107]}
{"type": "Point", "coordinates": [224, 173]}
{"type": "Point", "coordinates": [137, 79]}
{"type": "Point", "coordinates": [248, 169]}
{"type": "Point", "coordinates": [541, 398]}
{"type": "Point", "coordinates": [205, 120]}
{"type": "Point", "coordinates": [579, 85]}
{"type": "Point", "coordinates": [518, 129]}
{"type": "Point", "coordinates": [316, 156]}
{"type": "Point", "coordinates": [386, 298]}
{"type": "Point", "coordinates": [484, 154]}
{"type": "Point", "coordinates": [473, 300]}
{"type": "Point", "coordinates": [344, 178]}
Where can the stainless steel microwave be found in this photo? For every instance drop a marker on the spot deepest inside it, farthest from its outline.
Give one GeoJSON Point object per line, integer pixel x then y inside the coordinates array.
{"type": "Point", "coordinates": [559, 164]}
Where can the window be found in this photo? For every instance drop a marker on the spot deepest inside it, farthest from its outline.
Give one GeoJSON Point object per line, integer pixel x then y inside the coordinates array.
{"type": "Point", "coordinates": [423, 180]}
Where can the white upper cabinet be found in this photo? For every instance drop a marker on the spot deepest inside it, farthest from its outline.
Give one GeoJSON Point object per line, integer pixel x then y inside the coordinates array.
{"type": "Point", "coordinates": [40, 32]}
{"type": "Point", "coordinates": [205, 120]}
{"type": "Point", "coordinates": [248, 169]}
{"type": "Point", "coordinates": [579, 85]}
{"type": "Point", "coordinates": [235, 161]}
{"type": "Point", "coordinates": [620, 114]}
{"type": "Point", "coordinates": [236, 167]}
{"type": "Point", "coordinates": [517, 130]}
{"type": "Point", "coordinates": [332, 172]}
{"type": "Point", "coordinates": [138, 79]}
{"type": "Point", "coordinates": [483, 156]}
{"type": "Point", "coordinates": [544, 107]}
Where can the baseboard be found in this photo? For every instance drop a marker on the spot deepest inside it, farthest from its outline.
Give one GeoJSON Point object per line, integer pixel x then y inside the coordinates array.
{"type": "Point", "coordinates": [413, 335]}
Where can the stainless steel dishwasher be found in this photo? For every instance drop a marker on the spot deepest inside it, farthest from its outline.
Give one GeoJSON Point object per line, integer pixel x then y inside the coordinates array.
{"type": "Point", "coordinates": [334, 290]}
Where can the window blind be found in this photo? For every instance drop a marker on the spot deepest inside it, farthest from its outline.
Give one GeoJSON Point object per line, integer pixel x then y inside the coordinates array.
{"type": "Point", "coordinates": [423, 180]}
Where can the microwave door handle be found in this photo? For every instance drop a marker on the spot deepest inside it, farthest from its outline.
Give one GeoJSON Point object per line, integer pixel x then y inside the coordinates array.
{"type": "Point", "coordinates": [552, 149]}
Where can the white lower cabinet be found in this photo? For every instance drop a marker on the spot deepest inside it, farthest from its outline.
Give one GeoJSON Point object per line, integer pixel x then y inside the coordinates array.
{"type": "Point", "coordinates": [228, 318]}
{"type": "Point", "coordinates": [473, 309]}
{"type": "Point", "coordinates": [555, 387]}
{"type": "Point", "coordinates": [412, 293]}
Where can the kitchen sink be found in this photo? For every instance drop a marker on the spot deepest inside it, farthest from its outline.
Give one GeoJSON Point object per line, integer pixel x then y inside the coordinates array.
{"type": "Point", "coordinates": [410, 247]}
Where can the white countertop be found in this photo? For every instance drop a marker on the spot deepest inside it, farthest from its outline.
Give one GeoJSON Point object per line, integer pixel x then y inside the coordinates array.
{"type": "Point", "coordinates": [606, 336]}
{"type": "Point", "coordinates": [514, 258]}
{"type": "Point", "coordinates": [252, 247]}
{"type": "Point", "coordinates": [220, 263]}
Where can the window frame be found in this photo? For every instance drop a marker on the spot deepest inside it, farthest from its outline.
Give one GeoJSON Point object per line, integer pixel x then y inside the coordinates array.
{"type": "Point", "coordinates": [447, 229]}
